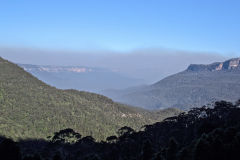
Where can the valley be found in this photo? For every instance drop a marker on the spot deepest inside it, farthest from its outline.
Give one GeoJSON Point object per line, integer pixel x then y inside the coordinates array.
{"type": "Point", "coordinates": [198, 85]}
{"type": "Point", "coordinates": [30, 108]}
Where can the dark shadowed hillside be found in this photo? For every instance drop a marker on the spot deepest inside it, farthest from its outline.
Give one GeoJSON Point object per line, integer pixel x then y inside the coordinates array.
{"type": "Point", "coordinates": [201, 134]}
{"type": "Point", "coordinates": [196, 86]}
{"type": "Point", "coordinates": [31, 109]}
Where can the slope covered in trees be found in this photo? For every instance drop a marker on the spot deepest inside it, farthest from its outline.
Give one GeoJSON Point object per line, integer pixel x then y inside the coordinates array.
{"type": "Point", "coordinates": [198, 85]}
{"type": "Point", "coordinates": [201, 134]}
{"type": "Point", "coordinates": [31, 109]}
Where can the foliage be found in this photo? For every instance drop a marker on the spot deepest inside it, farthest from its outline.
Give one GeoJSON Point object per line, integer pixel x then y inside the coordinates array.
{"type": "Point", "coordinates": [31, 109]}
{"type": "Point", "coordinates": [176, 138]}
{"type": "Point", "coordinates": [66, 136]}
{"type": "Point", "coordinates": [184, 90]}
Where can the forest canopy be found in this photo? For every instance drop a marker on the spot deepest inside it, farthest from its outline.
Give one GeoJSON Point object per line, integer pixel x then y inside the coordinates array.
{"type": "Point", "coordinates": [200, 134]}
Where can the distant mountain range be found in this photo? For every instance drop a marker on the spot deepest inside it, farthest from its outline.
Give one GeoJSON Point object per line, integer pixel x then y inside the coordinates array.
{"type": "Point", "coordinates": [30, 108]}
{"type": "Point", "coordinates": [80, 77]}
{"type": "Point", "coordinates": [196, 86]}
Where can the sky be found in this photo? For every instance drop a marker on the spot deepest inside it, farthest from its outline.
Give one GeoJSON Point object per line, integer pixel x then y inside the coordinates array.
{"type": "Point", "coordinates": [150, 65]}
{"type": "Point", "coordinates": [146, 39]}
{"type": "Point", "coordinates": [122, 25]}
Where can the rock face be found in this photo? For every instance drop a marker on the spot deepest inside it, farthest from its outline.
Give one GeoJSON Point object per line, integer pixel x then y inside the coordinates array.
{"type": "Point", "coordinates": [81, 77]}
{"type": "Point", "coordinates": [196, 86]}
{"type": "Point", "coordinates": [59, 69]}
{"type": "Point", "coordinates": [232, 64]}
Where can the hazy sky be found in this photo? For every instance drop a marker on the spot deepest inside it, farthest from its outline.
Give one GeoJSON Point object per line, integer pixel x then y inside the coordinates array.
{"type": "Point", "coordinates": [122, 25]}
{"type": "Point", "coordinates": [150, 65]}
{"type": "Point", "coordinates": [146, 39]}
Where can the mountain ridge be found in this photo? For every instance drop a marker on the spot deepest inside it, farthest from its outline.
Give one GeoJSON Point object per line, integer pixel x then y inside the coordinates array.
{"type": "Point", "coordinates": [29, 108]}
{"type": "Point", "coordinates": [80, 77]}
{"type": "Point", "coordinates": [231, 64]}
{"type": "Point", "coordinates": [57, 68]}
{"type": "Point", "coordinates": [198, 85]}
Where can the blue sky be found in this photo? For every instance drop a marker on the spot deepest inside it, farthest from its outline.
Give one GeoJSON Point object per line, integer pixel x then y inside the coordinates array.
{"type": "Point", "coordinates": [122, 25]}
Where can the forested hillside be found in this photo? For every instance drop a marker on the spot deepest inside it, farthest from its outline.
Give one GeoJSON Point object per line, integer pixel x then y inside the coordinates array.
{"type": "Point", "coordinates": [31, 109]}
{"type": "Point", "coordinates": [201, 134]}
{"type": "Point", "coordinates": [196, 86]}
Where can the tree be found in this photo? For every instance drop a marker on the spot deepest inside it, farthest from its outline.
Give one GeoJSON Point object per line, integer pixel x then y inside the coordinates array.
{"type": "Point", "coordinates": [172, 149]}
{"type": "Point", "coordinates": [9, 150]}
{"type": "Point", "coordinates": [202, 147]}
{"type": "Point", "coordinates": [125, 131]}
{"type": "Point", "coordinates": [87, 140]}
{"type": "Point", "coordinates": [66, 136]}
{"type": "Point", "coordinates": [147, 150]}
{"type": "Point", "coordinates": [183, 154]}
{"type": "Point", "coordinates": [112, 139]}
{"type": "Point", "coordinates": [35, 157]}
{"type": "Point", "coordinates": [57, 156]}
{"type": "Point", "coordinates": [238, 103]}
